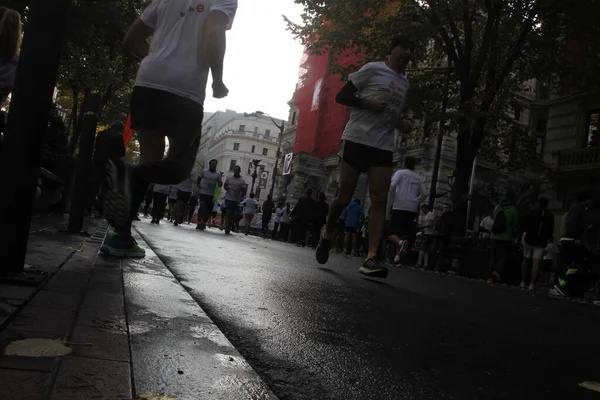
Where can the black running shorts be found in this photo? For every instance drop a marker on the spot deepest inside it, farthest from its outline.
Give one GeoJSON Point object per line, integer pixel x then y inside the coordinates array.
{"type": "Point", "coordinates": [167, 114]}
{"type": "Point", "coordinates": [403, 223]}
{"type": "Point", "coordinates": [183, 197]}
{"type": "Point", "coordinates": [363, 157]}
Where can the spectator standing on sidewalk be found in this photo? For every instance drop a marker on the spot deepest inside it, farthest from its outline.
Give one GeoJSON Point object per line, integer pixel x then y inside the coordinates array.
{"type": "Point", "coordinates": [172, 201]}
{"type": "Point", "coordinates": [277, 220]}
{"type": "Point", "coordinates": [179, 44]}
{"type": "Point", "coordinates": [268, 209]}
{"type": "Point", "coordinates": [355, 217]}
{"type": "Point", "coordinates": [321, 209]}
{"type": "Point", "coordinates": [426, 227]}
{"type": "Point", "coordinates": [506, 218]}
{"type": "Point", "coordinates": [485, 227]}
{"type": "Point", "coordinates": [285, 222]}
{"type": "Point", "coordinates": [408, 193]}
{"type": "Point", "coordinates": [302, 216]}
{"type": "Point", "coordinates": [444, 228]}
{"type": "Point", "coordinates": [250, 207]}
{"type": "Point", "coordinates": [159, 200]}
{"type": "Point", "coordinates": [539, 229]}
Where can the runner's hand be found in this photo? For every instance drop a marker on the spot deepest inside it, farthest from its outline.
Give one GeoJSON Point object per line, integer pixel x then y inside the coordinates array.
{"type": "Point", "coordinates": [219, 90]}
{"type": "Point", "coordinates": [374, 105]}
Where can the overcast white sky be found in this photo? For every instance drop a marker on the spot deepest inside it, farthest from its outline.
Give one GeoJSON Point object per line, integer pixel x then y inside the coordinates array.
{"type": "Point", "coordinates": [261, 64]}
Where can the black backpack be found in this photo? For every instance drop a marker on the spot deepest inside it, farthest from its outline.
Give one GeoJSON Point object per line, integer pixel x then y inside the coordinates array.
{"type": "Point", "coordinates": [500, 223]}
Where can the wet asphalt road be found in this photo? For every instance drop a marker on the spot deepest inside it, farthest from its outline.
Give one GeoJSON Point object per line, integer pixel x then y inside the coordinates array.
{"type": "Point", "coordinates": [316, 332]}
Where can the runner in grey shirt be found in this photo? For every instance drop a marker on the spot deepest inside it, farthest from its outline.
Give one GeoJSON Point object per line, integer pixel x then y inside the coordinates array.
{"type": "Point", "coordinates": [236, 187]}
{"type": "Point", "coordinates": [208, 181]}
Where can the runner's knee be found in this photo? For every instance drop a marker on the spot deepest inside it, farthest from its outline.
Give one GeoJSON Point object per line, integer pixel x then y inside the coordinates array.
{"type": "Point", "coordinates": [378, 200]}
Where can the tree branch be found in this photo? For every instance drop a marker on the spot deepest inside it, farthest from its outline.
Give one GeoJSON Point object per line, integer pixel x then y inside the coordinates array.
{"type": "Point", "coordinates": [439, 27]}
{"type": "Point", "coordinates": [455, 33]}
{"type": "Point", "coordinates": [488, 36]}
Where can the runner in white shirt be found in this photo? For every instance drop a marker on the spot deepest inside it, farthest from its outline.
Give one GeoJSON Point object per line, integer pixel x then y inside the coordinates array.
{"type": "Point", "coordinates": [250, 205]}
{"type": "Point", "coordinates": [187, 41]}
{"type": "Point", "coordinates": [184, 192]}
{"type": "Point", "coordinates": [208, 181]}
{"type": "Point", "coordinates": [172, 201]}
{"type": "Point", "coordinates": [235, 186]}
{"type": "Point", "coordinates": [277, 220]}
{"type": "Point", "coordinates": [485, 227]}
{"type": "Point", "coordinates": [408, 192]}
{"type": "Point", "coordinates": [376, 94]}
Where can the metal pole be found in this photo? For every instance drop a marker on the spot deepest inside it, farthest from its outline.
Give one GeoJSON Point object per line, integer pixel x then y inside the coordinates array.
{"type": "Point", "coordinates": [83, 170]}
{"type": "Point", "coordinates": [438, 148]}
{"type": "Point", "coordinates": [26, 127]}
{"type": "Point", "coordinates": [471, 190]}
{"type": "Point", "coordinates": [278, 156]}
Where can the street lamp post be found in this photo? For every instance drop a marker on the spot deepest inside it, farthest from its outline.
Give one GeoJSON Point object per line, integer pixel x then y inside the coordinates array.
{"type": "Point", "coordinates": [255, 173]}
{"type": "Point", "coordinates": [278, 156]}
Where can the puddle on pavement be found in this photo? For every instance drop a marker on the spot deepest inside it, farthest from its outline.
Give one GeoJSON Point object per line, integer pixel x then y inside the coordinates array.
{"type": "Point", "coordinates": [37, 348]}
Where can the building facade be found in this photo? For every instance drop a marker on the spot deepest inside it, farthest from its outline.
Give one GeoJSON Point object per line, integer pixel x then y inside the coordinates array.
{"type": "Point", "coordinates": [246, 140]}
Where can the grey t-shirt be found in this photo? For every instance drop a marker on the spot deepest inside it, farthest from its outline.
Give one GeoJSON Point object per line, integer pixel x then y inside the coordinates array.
{"type": "Point", "coordinates": [377, 81]}
{"type": "Point", "coordinates": [235, 188]}
{"type": "Point", "coordinates": [209, 182]}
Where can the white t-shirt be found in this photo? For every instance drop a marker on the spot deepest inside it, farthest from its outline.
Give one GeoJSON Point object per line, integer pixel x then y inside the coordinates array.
{"type": "Point", "coordinates": [250, 205]}
{"type": "Point", "coordinates": [176, 62]}
{"type": "Point", "coordinates": [427, 218]}
{"type": "Point", "coordinates": [235, 188]}
{"type": "Point", "coordinates": [208, 184]}
{"type": "Point", "coordinates": [487, 223]}
{"type": "Point", "coordinates": [285, 216]}
{"type": "Point", "coordinates": [188, 184]}
{"type": "Point", "coordinates": [164, 189]}
{"type": "Point", "coordinates": [217, 206]}
{"type": "Point", "coordinates": [278, 213]}
{"type": "Point", "coordinates": [549, 252]}
{"type": "Point", "coordinates": [173, 192]}
{"type": "Point", "coordinates": [408, 190]}
{"type": "Point", "coordinates": [377, 81]}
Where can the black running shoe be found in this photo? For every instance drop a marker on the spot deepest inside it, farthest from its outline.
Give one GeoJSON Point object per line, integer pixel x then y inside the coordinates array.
{"type": "Point", "coordinates": [374, 267]}
{"type": "Point", "coordinates": [117, 199]}
{"type": "Point", "coordinates": [322, 251]}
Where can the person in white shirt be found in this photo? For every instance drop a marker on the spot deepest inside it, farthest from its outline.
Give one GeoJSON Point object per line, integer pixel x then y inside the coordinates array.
{"type": "Point", "coordinates": [208, 181]}
{"type": "Point", "coordinates": [277, 220]}
{"type": "Point", "coordinates": [159, 202]}
{"type": "Point", "coordinates": [376, 94]}
{"type": "Point", "coordinates": [188, 40]}
{"type": "Point", "coordinates": [408, 193]}
{"type": "Point", "coordinates": [284, 223]}
{"type": "Point", "coordinates": [485, 227]}
{"type": "Point", "coordinates": [250, 205]}
{"type": "Point", "coordinates": [426, 227]}
{"type": "Point", "coordinates": [235, 187]}
{"type": "Point", "coordinates": [172, 202]}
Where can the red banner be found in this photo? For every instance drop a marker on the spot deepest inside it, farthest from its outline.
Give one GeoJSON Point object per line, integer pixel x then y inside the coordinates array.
{"type": "Point", "coordinates": [128, 132]}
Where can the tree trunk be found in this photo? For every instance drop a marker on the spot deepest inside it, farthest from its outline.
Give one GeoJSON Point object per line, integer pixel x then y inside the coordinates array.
{"type": "Point", "coordinates": [77, 126]}
{"type": "Point", "coordinates": [73, 117]}
{"type": "Point", "coordinates": [465, 155]}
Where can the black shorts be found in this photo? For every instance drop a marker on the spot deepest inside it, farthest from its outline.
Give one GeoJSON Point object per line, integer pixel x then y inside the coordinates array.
{"type": "Point", "coordinates": [403, 223]}
{"type": "Point", "coordinates": [363, 157]}
{"type": "Point", "coordinates": [183, 197]}
{"type": "Point", "coordinates": [172, 200]}
{"type": "Point", "coordinates": [206, 202]}
{"type": "Point", "coordinates": [350, 229]}
{"type": "Point", "coordinates": [167, 114]}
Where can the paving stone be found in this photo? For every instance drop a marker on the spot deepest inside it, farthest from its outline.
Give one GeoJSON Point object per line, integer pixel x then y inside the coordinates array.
{"type": "Point", "coordinates": [102, 310]}
{"type": "Point", "coordinates": [43, 320]}
{"type": "Point", "coordinates": [8, 291]}
{"type": "Point", "coordinates": [87, 378]}
{"type": "Point", "coordinates": [58, 300]}
{"type": "Point", "coordinates": [68, 282]}
{"type": "Point", "coordinates": [23, 385]}
{"type": "Point", "coordinates": [107, 283]}
{"type": "Point", "coordinates": [106, 344]}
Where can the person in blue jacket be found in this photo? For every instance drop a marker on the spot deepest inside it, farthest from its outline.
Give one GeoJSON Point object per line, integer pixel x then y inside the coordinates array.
{"type": "Point", "coordinates": [354, 217]}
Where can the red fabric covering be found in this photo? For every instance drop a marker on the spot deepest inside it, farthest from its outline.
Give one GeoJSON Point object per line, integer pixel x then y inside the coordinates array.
{"type": "Point", "coordinates": [128, 132]}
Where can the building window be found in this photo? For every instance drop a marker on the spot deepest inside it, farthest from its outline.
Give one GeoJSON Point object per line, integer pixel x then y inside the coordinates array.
{"type": "Point", "coordinates": [294, 115]}
{"type": "Point", "coordinates": [539, 146]}
{"type": "Point", "coordinates": [256, 129]}
{"type": "Point", "coordinates": [593, 129]}
{"type": "Point", "coordinates": [232, 164]}
{"type": "Point", "coordinates": [253, 148]}
{"type": "Point", "coordinates": [541, 125]}
{"type": "Point", "coordinates": [236, 146]}
{"type": "Point", "coordinates": [242, 128]}
{"type": "Point", "coordinates": [267, 133]}
{"type": "Point", "coordinates": [265, 152]}
{"type": "Point", "coordinates": [517, 112]}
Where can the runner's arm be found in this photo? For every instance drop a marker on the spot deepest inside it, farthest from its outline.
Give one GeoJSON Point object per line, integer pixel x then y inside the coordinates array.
{"type": "Point", "coordinates": [347, 97]}
{"type": "Point", "coordinates": [136, 38]}
{"type": "Point", "coordinates": [215, 42]}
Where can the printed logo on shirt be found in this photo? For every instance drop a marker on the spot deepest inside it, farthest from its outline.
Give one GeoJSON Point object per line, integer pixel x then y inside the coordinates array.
{"type": "Point", "coordinates": [199, 9]}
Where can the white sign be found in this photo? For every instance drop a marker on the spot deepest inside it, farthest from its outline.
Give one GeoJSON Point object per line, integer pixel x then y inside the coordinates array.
{"type": "Point", "coordinates": [317, 95]}
{"type": "Point", "coordinates": [287, 164]}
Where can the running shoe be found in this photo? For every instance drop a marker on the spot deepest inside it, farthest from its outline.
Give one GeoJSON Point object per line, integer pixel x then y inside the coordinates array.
{"type": "Point", "coordinates": [114, 245]}
{"type": "Point", "coordinates": [322, 252]}
{"type": "Point", "coordinates": [117, 199]}
{"type": "Point", "coordinates": [557, 291]}
{"type": "Point", "coordinates": [201, 226]}
{"type": "Point", "coordinates": [374, 267]}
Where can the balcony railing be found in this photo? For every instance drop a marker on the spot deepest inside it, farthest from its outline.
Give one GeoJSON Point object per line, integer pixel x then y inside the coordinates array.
{"type": "Point", "coordinates": [579, 159]}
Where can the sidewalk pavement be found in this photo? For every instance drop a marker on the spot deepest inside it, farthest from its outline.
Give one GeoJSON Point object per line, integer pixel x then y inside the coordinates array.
{"type": "Point", "coordinates": [130, 329]}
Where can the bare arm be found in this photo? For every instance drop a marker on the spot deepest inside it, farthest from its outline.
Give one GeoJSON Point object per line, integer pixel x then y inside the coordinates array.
{"type": "Point", "coordinates": [136, 38]}
{"type": "Point", "coordinates": [214, 43]}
